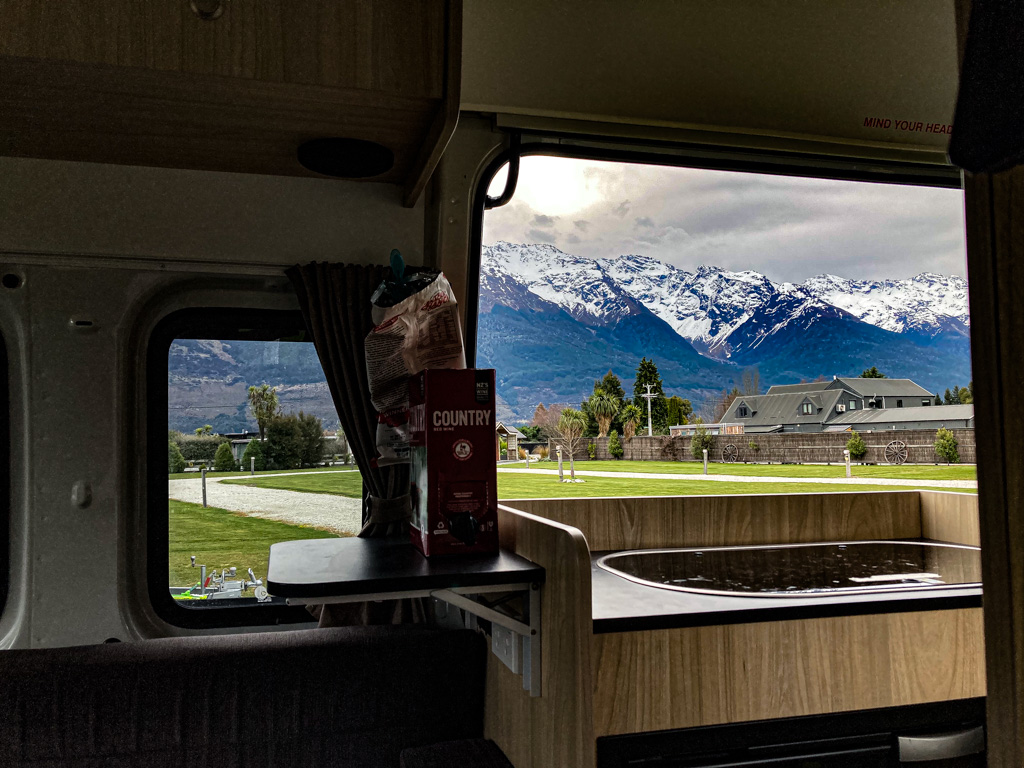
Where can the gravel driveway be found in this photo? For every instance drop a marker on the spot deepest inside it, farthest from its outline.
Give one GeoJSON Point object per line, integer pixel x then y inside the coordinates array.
{"type": "Point", "coordinates": [339, 514]}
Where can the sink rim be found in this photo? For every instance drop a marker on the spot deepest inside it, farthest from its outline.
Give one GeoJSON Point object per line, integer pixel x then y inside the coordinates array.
{"type": "Point", "coordinates": [803, 595]}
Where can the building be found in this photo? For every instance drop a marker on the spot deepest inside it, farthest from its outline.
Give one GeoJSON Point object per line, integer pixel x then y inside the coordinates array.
{"type": "Point", "coordinates": [512, 437]}
{"type": "Point", "coordinates": [826, 406]}
{"type": "Point", "coordinates": [722, 428]}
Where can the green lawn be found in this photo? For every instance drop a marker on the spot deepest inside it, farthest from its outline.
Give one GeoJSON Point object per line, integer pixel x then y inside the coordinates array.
{"type": "Point", "coordinates": [512, 485]}
{"type": "Point", "coordinates": [220, 538]}
{"type": "Point", "coordinates": [196, 475]}
{"type": "Point", "coordinates": [904, 472]}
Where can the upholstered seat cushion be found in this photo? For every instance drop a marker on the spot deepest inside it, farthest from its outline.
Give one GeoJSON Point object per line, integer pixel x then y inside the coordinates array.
{"type": "Point", "coordinates": [345, 696]}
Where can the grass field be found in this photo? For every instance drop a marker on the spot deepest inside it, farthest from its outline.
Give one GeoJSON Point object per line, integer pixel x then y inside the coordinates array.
{"type": "Point", "coordinates": [220, 538]}
{"type": "Point", "coordinates": [529, 486]}
{"type": "Point", "coordinates": [195, 475]}
{"type": "Point", "coordinates": [904, 472]}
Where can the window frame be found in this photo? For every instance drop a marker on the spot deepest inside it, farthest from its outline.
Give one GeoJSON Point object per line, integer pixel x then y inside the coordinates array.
{"type": "Point", "coordinates": [851, 405]}
{"type": "Point", "coordinates": [570, 145]}
{"type": "Point", "coordinates": [807, 409]}
{"type": "Point", "coordinates": [211, 323]}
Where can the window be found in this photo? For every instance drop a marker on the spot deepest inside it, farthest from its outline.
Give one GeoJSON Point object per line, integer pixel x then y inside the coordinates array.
{"type": "Point", "coordinates": [852, 405]}
{"type": "Point", "coordinates": [201, 364]}
{"type": "Point", "coordinates": [806, 409]}
{"type": "Point", "coordinates": [899, 403]}
{"type": "Point", "coordinates": [926, 402]}
{"type": "Point", "coordinates": [742, 412]}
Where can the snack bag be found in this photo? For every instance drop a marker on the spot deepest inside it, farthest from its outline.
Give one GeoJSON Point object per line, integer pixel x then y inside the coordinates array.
{"type": "Point", "coordinates": [416, 327]}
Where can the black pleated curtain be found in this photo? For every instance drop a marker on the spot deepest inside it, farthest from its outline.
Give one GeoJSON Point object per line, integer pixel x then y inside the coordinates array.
{"type": "Point", "coordinates": [335, 301]}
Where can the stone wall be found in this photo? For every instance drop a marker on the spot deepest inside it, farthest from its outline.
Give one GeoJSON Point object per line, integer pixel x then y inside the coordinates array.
{"type": "Point", "coordinates": [786, 448]}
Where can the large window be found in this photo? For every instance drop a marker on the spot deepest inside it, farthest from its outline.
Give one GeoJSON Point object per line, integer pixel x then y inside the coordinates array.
{"type": "Point", "coordinates": [643, 293]}
{"type": "Point", "coordinates": [247, 450]}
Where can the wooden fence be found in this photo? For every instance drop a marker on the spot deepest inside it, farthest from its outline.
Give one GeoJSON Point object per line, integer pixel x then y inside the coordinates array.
{"type": "Point", "coordinates": [785, 448]}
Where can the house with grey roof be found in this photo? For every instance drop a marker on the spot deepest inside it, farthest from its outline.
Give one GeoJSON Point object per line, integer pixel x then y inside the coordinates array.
{"type": "Point", "coordinates": [845, 403]}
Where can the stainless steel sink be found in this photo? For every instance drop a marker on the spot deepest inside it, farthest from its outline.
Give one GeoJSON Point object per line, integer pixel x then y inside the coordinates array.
{"type": "Point", "coordinates": [802, 570]}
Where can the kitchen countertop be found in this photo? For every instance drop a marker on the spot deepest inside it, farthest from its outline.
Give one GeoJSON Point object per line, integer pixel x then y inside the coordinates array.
{"type": "Point", "coordinates": [621, 605]}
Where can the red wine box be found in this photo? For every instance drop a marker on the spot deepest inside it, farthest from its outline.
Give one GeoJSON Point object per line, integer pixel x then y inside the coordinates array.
{"type": "Point", "coordinates": [454, 469]}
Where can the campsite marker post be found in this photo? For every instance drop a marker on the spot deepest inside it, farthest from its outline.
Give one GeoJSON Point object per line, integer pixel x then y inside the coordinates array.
{"type": "Point", "coordinates": [558, 451]}
{"type": "Point", "coordinates": [252, 465]}
{"type": "Point", "coordinates": [203, 470]}
{"type": "Point", "coordinates": [846, 455]}
{"type": "Point", "coordinates": [705, 461]}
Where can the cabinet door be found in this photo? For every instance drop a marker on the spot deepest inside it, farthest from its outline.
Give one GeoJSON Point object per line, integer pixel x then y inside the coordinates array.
{"type": "Point", "coordinates": [390, 46]}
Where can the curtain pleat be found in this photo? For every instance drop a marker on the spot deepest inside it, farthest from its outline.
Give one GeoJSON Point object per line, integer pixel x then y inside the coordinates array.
{"type": "Point", "coordinates": [335, 300]}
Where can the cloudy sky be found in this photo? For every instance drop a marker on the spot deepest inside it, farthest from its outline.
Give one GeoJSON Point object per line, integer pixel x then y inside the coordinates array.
{"type": "Point", "coordinates": [787, 228]}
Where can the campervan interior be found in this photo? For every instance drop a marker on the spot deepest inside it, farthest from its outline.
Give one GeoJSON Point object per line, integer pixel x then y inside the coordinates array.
{"type": "Point", "coordinates": [169, 174]}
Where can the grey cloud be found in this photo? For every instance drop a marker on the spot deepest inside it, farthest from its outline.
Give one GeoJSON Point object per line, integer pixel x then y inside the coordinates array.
{"type": "Point", "coordinates": [541, 220]}
{"type": "Point", "coordinates": [645, 221]}
{"type": "Point", "coordinates": [540, 236]}
{"type": "Point", "coordinates": [581, 225]}
{"type": "Point", "coordinates": [621, 209]}
{"type": "Point", "coordinates": [573, 239]}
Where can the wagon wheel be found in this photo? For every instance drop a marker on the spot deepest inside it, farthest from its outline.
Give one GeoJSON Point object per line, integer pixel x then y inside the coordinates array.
{"type": "Point", "coordinates": [896, 452]}
{"type": "Point", "coordinates": [729, 453]}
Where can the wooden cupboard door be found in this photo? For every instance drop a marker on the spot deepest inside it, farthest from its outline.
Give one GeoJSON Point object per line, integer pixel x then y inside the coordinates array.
{"type": "Point", "coordinates": [390, 46]}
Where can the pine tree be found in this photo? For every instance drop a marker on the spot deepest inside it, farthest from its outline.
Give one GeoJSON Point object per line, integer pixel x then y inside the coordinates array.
{"type": "Point", "coordinates": [947, 398]}
{"type": "Point", "coordinates": [873, 373]}
{"type": "Point", "coordinates": [701, 440]}
{"type": "Point", "coordinates": [647, 373]}
{"type": "Point", "coordinates": [254, 450]}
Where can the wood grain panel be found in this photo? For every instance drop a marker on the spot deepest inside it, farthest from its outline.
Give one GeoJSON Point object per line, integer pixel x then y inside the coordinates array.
{"type": "Point", "coordinates": [680, 678]}
{"type": "Point", "coordinates": [950, 517]}
{"type": "Point", "coordinates": [995, 263]}
{"type": "Point", "coordinates": [555, 728]}
{"type": "Point", "coordinates": [140, 117]}
{"type": "Point", "coordinates": [390, 46]}
{"type": "Point", "coordinates": [731, 520]}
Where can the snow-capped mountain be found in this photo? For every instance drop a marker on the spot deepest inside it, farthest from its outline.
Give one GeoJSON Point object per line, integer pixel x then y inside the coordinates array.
{"type": "Point", "coordinates": [717, 310]}
{"type": "Point", "coordinates": [918, 327]}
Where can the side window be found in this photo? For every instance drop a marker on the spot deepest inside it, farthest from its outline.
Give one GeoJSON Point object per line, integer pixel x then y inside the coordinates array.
{"type": "Point", "coordinates": [806, 409]}
{"type": "Point", "coordinates": [853, 405]}
{"type": "Point", "coordinates": [247, 450]}
{"type": "Point", "coordinates": [899, 403]}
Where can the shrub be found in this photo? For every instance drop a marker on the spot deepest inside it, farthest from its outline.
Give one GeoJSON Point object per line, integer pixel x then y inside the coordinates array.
{"type": "Point", "coordinates": [946, 446]}
{"type": "Point", "coordinates": [311, 429]}
{"type": "Point", "coordinates": [199, 447]}
{"type": "Point", "coordinates": [175, 461]}
{"type": "Point", "coordinates": [614, 445]}
{"type": "Point", "coordinates": [753, 446]}
{"type": "Point", "coordinates": [224, 461]}
{"type": "Point", "coordinates": [543, 451]}
{"type": "Point", "coordinates": [855, 445]}
{"type": "Point", "coordinates": [522, 453]}
{"type": "Point", "coordinates": [254, 450]}
{"type": "Point", "coordinates": [591, 450]}
{"type": "Point", "coordinates": [284, 447]}
{"type": "Point", "coordinates": [701, 440]}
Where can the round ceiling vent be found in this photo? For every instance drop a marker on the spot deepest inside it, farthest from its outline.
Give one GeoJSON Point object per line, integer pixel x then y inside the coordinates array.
{"type": "Point", "coordinates": [346, 158]}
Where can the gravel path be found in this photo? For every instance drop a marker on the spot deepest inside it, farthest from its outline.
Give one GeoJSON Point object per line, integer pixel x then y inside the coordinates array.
{"type": "Point", "coordinates": [339, 514]}
{"type": "Point", "coordinates": [752, 479]}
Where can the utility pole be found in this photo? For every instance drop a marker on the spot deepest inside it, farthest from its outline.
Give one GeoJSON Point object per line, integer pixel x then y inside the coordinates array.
{"type": "Point", "coordinates": [648, 397]}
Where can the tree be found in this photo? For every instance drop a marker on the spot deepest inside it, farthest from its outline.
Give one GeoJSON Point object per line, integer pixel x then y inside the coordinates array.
{"type": "Point", "coordinates": [175, 461]}
{"type": "Point", "coordinates": [679, 410]}
{"type": "Point", "coordinates": [571, 426]}
{"type": "Point", "coordinates": [204, 430]}
{"type": "Point", "coordinates": [284, 442]}
{"type": "Point", "coordinates": [946, 446]}
{"type": "Point", "coordinates": [948, 398]}
{"type": "Point", "coordinates": [647, 373]}
{"type": "Point", "coordinates": [855, 445]}
{"type": "Point", "coordinates": [965, 395]}
{"type": "Point", "coordinates": [615, 445]}
{"type": "Point", "coordinates": [750, 384]}
{"type": "Point", "coordinates": [263, 404]}
{"type": "Point", "coordinates": [725, 403]}
{"type": "Point", "coordinates": [873, 373]}
{"type": "Point", "coordinates": [224, 460]}
{"type": "Point", "coordinates": [938, 400]}
{"type": "Point", "coordinates": [701, 440]}
{"type": "Point", "coordinates": [604, 407]}
{"type": "Point", "coordinates": [631, 417]}
{"type": "Point", "coordinates": [531, 433]}
{"type": "Point", "coordinates": [612, 385]}
{"type": "Point", "coordinates": [254, 450]}
{"type": "Point", "coordinates": [312, 430]}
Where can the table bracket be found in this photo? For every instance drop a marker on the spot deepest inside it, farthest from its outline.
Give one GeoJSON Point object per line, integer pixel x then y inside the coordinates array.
{"type": "Point", "coordinates": [528, 631]}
